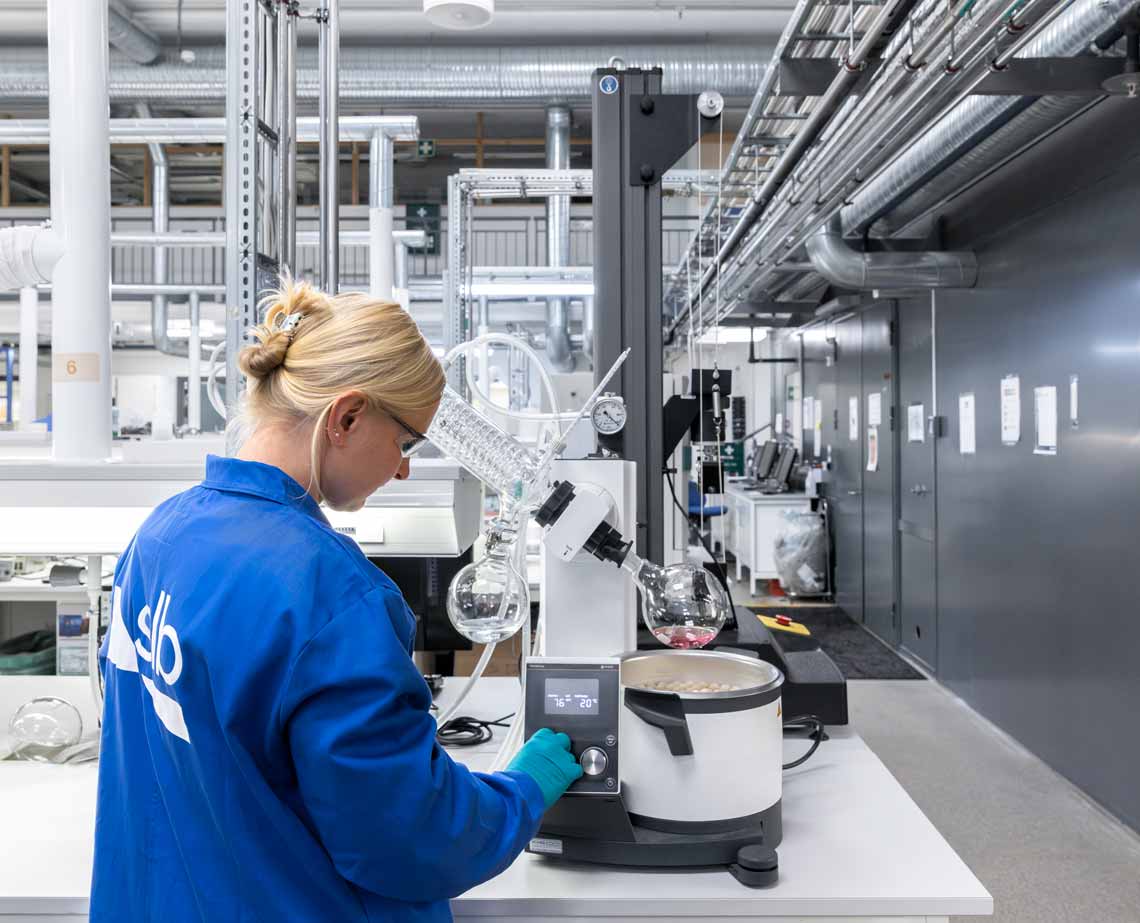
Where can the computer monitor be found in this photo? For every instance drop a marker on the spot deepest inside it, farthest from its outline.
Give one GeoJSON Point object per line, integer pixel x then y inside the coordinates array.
{"type": "Point", "coordinates": [765, 459]}
{"type": "Point", "coordinates": [784, 465]}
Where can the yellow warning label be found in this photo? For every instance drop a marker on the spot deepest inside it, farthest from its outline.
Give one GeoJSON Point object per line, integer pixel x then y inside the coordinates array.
{"type": "Point", "coordinates": [783, 623]}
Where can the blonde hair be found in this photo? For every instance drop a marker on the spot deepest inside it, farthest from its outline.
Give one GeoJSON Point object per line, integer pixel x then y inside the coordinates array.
{"type": "Point", "coordinates": [329, 346]}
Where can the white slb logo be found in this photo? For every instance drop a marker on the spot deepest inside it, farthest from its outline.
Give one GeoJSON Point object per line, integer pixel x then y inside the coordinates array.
{"type": "Point", "coordinates": [162, 651]}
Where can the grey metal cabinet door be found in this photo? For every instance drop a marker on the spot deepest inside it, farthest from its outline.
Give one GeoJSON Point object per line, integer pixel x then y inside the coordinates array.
{"type": "Point", "coordinates": [845, 485]}
{"type": "Point", "coordinates": [879, 511]}
{"type": "Point", "coordinates": [918, 616]}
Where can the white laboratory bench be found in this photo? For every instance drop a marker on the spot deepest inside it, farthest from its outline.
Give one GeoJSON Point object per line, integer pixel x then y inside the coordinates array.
{"type": "Point", "coordinates": [855, 848]}
{"type": "Point", "coordinates": [754, 522]}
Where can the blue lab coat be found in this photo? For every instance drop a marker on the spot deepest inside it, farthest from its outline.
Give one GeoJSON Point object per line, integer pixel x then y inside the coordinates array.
{"type": "Point", "coordinates": [268, 752]}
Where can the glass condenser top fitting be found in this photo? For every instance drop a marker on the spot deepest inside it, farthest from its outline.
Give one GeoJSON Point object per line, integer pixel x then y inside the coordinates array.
{"type": "Point", "coordinates": [488, 452]}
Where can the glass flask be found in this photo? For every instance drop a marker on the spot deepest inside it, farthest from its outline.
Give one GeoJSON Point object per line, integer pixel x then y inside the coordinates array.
{"type": "Point", "coordinates": [494, 456]}
{"type": "Point", "coordinates": [488, 600]}
{"type": "Point", "coordinates": [684, 606]}
{"type": "Point", "coordinates": [43, 727]}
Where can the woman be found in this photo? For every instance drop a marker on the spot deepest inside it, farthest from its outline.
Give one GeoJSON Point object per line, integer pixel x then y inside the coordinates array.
{"type": "Point", "coordinates": [268, 750]}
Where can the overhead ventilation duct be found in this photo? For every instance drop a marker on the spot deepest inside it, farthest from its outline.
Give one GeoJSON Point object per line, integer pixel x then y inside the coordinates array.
{"type": "Point", "coordinates": [843, 266]}
{"type": "Point", "coordinates": [139, 44]}
{"type": "Point", "coordinates": [976, 117]}
{"type": "Point", "coordinates": [28, 254]}
{"type": "Point", "coordinates": [426, 76]}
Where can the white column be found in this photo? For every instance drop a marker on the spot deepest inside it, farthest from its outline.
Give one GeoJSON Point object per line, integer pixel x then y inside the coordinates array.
{"type": "Point", "coordinates": [29, 355]}
{"type": "Point", "coordinates": [194, 382]}
{"type": "Point", "coordinates": [81, 215]}
{"type": "Point", "coordinates": [381, 244]}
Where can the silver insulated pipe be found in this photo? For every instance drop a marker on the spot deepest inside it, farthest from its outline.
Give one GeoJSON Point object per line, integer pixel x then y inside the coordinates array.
{"type": "Point", "coordinates": [160, 197]}
{"type": "Point", "coordinates": [558, 238]}
{"type": "Point", "coordinates": [426, 76]}
{"type": "Point", "coordinates": [940, 149]}
{"type": "Point", "coordinates": [847, 268]}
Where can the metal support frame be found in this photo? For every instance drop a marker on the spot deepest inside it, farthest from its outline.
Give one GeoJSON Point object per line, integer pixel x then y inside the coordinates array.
{"type": "Point", "coordinates": [329, 47]}
{"type": "Point", "coordinates": [628, 108]}
{"type": "Point", "coordinates": [467, 187]}
{"type": "Point", "coordinates": [1082, 76]}
{"type": "Point", "coordinates": [243, 71]}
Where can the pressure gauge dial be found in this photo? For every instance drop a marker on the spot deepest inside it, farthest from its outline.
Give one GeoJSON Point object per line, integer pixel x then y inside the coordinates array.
{"type": "Point", "coordinates": [609, 415]}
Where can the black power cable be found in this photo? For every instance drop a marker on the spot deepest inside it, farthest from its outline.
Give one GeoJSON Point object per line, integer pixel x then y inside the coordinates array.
{"type": "Point", "coordinates": [464, 731]}
{"type": "Point", "coordinates": [817, 734]}
{"type": "Point", "coordinates": [722, 575]}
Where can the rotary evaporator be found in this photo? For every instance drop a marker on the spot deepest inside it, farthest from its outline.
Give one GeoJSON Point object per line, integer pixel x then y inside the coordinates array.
{"type": "Point", "coordinates": [681, 746]}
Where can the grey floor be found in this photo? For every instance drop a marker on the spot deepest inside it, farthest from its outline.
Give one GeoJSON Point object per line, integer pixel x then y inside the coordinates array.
{"type": "Point", "coordinates": [1041, 849]}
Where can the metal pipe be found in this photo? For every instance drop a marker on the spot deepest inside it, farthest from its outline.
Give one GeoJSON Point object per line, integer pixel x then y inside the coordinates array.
{"type": "Point", "coordinates": [939, 151]}
{"type": "Point", "coordinates": [283, 190]}
{"type": "Point", "coordinates": [425, 75]}
{"type": "Point", "coordinates": [138, 43]}
{"type": "Point", "coordinates": [789, 224]}
{"type": "Point", "coordinates": [291, 122]}
{"type": "Point", "coordinates": [81, 214]}
{"type": "Point", "coordinates": [211, 130]}
{"type": "Point", "coordinates": [407, 238]}
{"type": "Point", "coordinates": [194, 379]}
{"type": "Point", "coordinates": [381, 195]}
{"type": "Point", "coordinates": [558, 238]}
{"type": "Point", "coordinates": [908, 116]}
{"type": "Point", "coordinates": [143, 289]}
{"type": "Point", "coordinates": [848, 75]}
{"type": "Point", "coordinates": [588, 321]}
{"type": "Point", "coordinates": [848, 268]}
{"type": "Point", "coordinates": [29, 355]}
{"type": "Point", "coordinates": [400, 292]}
{"type": "Point", "coordinates": [160, 199]}
{"type": "Point", "coordinates": [330, 147]}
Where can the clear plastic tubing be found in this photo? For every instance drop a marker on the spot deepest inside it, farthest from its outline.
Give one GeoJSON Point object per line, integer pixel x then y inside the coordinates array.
{"type": "Point", "coordinates": [488, 452]}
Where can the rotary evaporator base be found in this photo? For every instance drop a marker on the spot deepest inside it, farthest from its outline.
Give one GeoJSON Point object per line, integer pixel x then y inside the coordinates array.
{"type": "Point", "coordinates": [599, 829]}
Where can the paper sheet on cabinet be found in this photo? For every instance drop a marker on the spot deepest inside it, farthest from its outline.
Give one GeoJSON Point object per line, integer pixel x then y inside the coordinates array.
{"type": "Point", "coordinates": [1045, 414]}
{"type": "Point", "coordinates": [875, 409]}
{"type": "Point", "coordinates": [1010, 410]}
{"type": "Point", "coordinates": [967, 439]}
{"type": "Point", "coordinates": [853, 419]}
{"type": "Point", "coordinates": [916, 423]}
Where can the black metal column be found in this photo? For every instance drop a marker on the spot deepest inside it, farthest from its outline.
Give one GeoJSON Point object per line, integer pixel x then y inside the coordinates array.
{"type": "Point", "coordinates": [637, 135]}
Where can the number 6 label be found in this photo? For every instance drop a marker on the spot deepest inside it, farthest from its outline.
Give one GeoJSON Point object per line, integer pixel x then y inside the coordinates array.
{"type": "Point", "coordinates": [75, 367]}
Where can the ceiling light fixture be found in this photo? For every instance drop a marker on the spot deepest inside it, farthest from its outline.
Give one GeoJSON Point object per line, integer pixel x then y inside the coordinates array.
{"type": "Point", "coordinates": [459, 14]}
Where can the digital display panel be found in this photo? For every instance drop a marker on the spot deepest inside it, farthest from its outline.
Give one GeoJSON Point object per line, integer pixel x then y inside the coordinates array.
{"type": "Point", "coordinates": [571, 696]}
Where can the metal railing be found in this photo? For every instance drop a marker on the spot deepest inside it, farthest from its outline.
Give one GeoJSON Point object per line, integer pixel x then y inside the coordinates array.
{"type": "Point", "coordinates": [512, 240]}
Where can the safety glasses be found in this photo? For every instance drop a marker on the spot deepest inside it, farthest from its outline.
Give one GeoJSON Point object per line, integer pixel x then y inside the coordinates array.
{"type": "Point", "coordinates": [415, 440]}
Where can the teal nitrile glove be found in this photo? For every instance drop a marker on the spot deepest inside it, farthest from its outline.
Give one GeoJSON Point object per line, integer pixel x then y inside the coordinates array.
{"type": "Point", "coordinates": [546, 758]}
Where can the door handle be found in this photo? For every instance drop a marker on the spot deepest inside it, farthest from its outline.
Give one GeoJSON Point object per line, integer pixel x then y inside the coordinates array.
{"type": "Point", "coordinates": [854, 493]}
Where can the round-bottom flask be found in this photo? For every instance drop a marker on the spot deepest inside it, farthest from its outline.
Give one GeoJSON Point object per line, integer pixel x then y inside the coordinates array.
{"type": "Point", "coordinates": [488, 600]}
{"type": "Point", "coordinates": [684, 606]}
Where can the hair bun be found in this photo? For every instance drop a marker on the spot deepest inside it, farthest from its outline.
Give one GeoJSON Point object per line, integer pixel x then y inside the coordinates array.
{"type": "Point", "coordinates": [262, 358]}
{"type": "Point", "coordinates": [258, 360]}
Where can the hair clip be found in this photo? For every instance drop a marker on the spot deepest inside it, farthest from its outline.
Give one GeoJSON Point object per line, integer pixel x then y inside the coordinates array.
{"type": "Point", "coordinates": [289, 323]}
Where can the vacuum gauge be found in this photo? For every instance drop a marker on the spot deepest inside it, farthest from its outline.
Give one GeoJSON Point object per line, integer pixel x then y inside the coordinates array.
{"type": "Point", "coordinates": [609, 415]}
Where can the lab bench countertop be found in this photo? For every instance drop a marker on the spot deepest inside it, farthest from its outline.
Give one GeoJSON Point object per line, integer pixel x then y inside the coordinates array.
{"type": "Point", "coordinates": [855, 847]}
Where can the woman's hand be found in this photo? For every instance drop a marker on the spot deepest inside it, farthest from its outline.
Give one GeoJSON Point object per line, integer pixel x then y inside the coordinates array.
{"type": "Point", "coordinates": [547, 759]}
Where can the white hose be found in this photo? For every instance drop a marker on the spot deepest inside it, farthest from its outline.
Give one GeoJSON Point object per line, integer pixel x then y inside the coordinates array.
{"type": "Point", "coordinates": [504, 339]}
{"type": "Point", "coordinates": [451, 709]}
{"type": "Point", "coordinates": [212, 382]}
